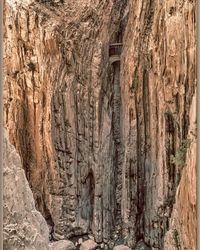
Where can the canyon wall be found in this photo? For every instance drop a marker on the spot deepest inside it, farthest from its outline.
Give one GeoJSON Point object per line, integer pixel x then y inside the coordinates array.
{"type": "Point", "coordinates": [158, 82]}
{"type": "Point", "coordinates": [100, 142]}
{"type": "Point", "coordinates": [24, 228]}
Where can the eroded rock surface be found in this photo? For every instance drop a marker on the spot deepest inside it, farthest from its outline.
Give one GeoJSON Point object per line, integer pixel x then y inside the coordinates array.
{"type": "Point", "coordinates": [141, 246]}
{"type": "Point", "coordinates": [158, 81]}
{"type": "Point", "coordinates": [24, 228]}
{"type": "Point", "coordinates": [121, 247]}
{"type": "Point", "coordinates": [96, 140]}
{"type": "Point", "coordinates": [183, 222]}
{"type": "Point", "coordinates": [88, 245]}
{"type": "Point", "coordinates": [64, 111]}
{"type": "Point", "coordinates": [62, 245]}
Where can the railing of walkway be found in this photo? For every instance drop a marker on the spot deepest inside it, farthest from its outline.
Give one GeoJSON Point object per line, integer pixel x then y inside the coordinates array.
{"type": "Point", "coordinates": [115, 49]}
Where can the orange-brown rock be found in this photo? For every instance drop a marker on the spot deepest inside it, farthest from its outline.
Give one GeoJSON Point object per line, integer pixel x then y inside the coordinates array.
{"type": "Point", "coordinates": [24, 228]}
{"type": "Point", "coordinates": [158, 81]}
{"type": "Point", "coordinates": [107, 145]}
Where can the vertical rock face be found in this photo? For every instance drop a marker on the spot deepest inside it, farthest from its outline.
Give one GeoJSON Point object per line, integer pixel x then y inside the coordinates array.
{"type": "Point", "coordinates": [24, 226]}
{"type": "Point", "coordinates": [97, 136]}
{"type": "Point", "coordinates": [183, 222]}
{"type": "Point", "coordinates": [61, 107]}
{"type": "Point", "coordinates": [158, 82]}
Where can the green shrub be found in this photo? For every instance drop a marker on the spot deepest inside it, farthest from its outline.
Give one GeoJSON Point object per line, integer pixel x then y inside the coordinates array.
{"type": "Point", "coordinates": [180, 156]}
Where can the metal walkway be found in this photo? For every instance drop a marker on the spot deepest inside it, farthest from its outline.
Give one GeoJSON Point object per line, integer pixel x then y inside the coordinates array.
{"type": "Point", "coordinates": [115, 50]}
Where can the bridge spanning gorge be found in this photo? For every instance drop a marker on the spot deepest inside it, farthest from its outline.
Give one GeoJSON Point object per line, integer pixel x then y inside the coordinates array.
{"type": "Point", "coordinates": [115, 50]}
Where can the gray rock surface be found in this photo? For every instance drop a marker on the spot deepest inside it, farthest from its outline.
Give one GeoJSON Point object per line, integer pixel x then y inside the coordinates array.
{"type": "Point", "coordinates": [88, 245]}
{"type": "Point", "coordinates": [121, 247]}
{"type": "Point", "coordinates": [24, 228]}
{"type": "Point", "coordinates": [141, 246]}
{"type": "Point", "coordinates": [62, 245]}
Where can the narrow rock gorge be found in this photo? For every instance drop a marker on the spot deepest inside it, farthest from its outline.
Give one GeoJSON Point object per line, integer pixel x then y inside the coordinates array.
{"type": "Point", "coordinates": [100, 104]}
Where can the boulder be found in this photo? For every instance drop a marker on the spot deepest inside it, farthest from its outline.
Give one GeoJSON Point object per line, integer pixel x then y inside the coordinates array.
{"type": "Point", "coordinates": [62, 245]}
{"type": "Point", "coordinates": [141, 246]}
{"type": "Point", "coordinates": [88, 245]}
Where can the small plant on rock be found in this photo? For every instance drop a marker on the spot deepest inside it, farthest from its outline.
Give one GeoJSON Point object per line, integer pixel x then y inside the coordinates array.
{"type": "Point", "coordinates": [31, 66]}
{"type": "Point", "coordinates": [180, 156]}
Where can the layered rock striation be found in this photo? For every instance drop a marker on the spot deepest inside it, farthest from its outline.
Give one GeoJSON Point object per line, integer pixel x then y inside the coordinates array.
{"type": "Point", "coordinates": [158, 82]}
{"type": "Point", "coordinates": [24, 228]}
{"type": "Point", "coordinates": [100, 139]}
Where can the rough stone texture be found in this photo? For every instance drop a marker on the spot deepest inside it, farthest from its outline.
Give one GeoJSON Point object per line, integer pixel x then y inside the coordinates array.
{"type": "Point", "coordinates": [96, 139]}
{"type": "Point", "coordinates": [59, 104]}
{"type": "Point", "coordinates": [183, 222]}
{"type": "Point", "coordinates": [62, 245]}
{"type": "Point", "coordinates": [142, 246]}
{"type": "Point", "coordinates": [158, 81]}
{"type": "Point", "coordinates": [121, 247]}
{"type": "Point", "coordinates": [88, 245]}
{"type": "Point", "coordinates": [24, 228]}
